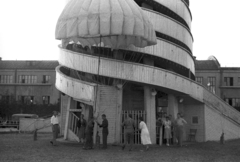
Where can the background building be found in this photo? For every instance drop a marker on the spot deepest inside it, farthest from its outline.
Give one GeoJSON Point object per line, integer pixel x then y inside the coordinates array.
{"type": "Point", "coordinates": [28, 82]}
{"type": "Point", "coordinates": [223, 81]}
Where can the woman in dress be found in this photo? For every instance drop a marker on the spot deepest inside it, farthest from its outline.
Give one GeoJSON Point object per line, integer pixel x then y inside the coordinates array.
{"type": "Point", "coordinates": [167, 130]}
{"type": "Point", "coordinates": [145, 136]}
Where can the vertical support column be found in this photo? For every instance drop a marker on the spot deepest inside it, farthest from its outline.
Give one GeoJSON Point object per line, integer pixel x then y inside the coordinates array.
{"type": "Point", "coordinates": [150, 106]}
{"type": "Point", "coordinates": [173, 109]}
{"type": "Point", "coordinates": [172, 106]}
{"type": "Point", "coordinates": [117, 54]}
{"type": "Point", "coordinates": [64, 103]}
{"type": "Point", "coordinates": [119, 113]}
{"type": "Point", "coordinates": [67, 117]}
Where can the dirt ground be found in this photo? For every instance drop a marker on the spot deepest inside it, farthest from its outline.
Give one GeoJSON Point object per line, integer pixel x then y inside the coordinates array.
{"type": "Point", "coordinates": [21, 147]}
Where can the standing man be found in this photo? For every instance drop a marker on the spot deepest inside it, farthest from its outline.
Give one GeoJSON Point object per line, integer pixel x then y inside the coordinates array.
{"type": "Point", "coordinates": [55, 127]}
{"type": "Point", "coordinates": [179, 123]}
{"type": "Point", "coordinates": [129, 125]}
{"type": "Point", "coordinates": [89, 135]}
{"type": "Point", "coordinates": [104, 125]}
{"type": "Point", "coordinates": [81, 124]}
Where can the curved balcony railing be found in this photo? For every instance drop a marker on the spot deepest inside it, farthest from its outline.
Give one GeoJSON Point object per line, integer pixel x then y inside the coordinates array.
{"type": "Point", "coordinates": [160, 8]}
{"type": "Point", "coordinates": [130, 72]}
{"type": "Point", "coordinates": [179, 8]}
{"type": "Point", "coordinates": [170, 27]}
{"type": "Point", "coordinates": [162, 51]}
{"type": "Point", "coordinates": [170, 52]}
{"type": "Point", "coordinates": [75, 88]}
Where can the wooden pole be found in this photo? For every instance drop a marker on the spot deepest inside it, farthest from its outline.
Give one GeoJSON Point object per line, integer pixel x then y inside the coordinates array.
{"type": "Point", "coordinates": [160, 136]}
{"type": "Point", "coordinates": [67, 118]}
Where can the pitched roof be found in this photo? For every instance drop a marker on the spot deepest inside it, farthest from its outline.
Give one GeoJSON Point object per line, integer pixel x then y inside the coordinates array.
{"type": "Point", "coordinates": [34, 64]}
{"type": "Point", "coordinates": [206, 65]}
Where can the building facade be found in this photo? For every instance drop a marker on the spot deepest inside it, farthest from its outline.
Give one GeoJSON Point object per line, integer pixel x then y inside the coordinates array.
{"type": "Point", "coordinates": [145, 82]}
{"type": "Point", "coordinates": [28, 82]}
{"type": "Point", "coordinates": [223, 81]}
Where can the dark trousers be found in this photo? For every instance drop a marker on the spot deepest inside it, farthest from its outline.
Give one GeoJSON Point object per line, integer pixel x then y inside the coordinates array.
{"type": "Point", "coordinates": [128, 138]}
{"type": "Point", "coordinates": [55, 131]}
{"type": "Point", "coordinates": [104, 138]}
{"type": "Point", "coordinates": [89, 140]}
{"type": "Point", "coordinates": [179, 134]}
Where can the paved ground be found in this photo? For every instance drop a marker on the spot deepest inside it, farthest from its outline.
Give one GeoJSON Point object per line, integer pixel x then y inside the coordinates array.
{"type": "Point", "coordinates": [21, 147]}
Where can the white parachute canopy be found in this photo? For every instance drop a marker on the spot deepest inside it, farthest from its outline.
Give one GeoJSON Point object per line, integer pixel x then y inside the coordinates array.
{"type": "Point", "coordinates": [114, 23]}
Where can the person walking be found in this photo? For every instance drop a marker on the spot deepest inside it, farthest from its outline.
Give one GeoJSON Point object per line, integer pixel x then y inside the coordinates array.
{"type": "Point", "coordinates": [129, 125]}
{"type": "Point", "coordinates": [104, 125]}
{"type": "Point", "coordinates": [167, 130]}
{"type": "Point", "coordinates": [145, 136]}
{"type": "Point", "coordinates": [55, 127]}
{"type": "Point", "coordinates": [89, 135]}
{"type": "Point", "coordinates": [82, 127]}
{"type": "Point", "coordinates": [179, 123]}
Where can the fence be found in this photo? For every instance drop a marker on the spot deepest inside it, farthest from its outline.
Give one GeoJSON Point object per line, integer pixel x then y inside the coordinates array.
{"type": "Point", "coordinates": [135, 117]}
{"type": "Point", "coordinates": [29, 125]}
{"type": "Point", "coordinates": [73, 123]}
{"type": "Point", "coordinates": [9, 124]}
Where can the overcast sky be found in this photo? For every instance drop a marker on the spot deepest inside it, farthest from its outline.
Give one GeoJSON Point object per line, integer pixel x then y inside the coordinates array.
{"type": "Point", "coordinates": [27, 29]}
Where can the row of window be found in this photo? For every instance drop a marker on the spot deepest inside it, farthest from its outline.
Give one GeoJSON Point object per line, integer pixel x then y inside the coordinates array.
{"type": "Point", "coordinates": [24, 79]}
{"type": "Point", "coordinates": [27, 79]}
{"type": "Point", "coordinates": [31, 99]}
{"type": "Point", "coordinates": [6, 78]}
{"type": "Point", "coordinates": [211, 83]}
{"type": "Point", "coordinates": [234, 102]}
{"type": "Point", "coordinates": [227, 81]}
{"type": "Point", "coordinates": [26, 99]}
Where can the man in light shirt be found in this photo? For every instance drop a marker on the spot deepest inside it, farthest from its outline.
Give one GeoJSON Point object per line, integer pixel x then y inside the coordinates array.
{"type": "Point", "coordinates": [55, 127]}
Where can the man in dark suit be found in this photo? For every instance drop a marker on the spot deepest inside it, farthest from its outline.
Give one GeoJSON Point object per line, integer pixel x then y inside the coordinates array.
{"type": "Point", "coordinates": [104, 125]}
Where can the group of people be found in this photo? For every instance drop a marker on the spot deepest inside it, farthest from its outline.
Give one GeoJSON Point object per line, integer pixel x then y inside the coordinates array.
{"type": "Point", "coordinates": [130, 126]}
{"type": "Point", "coordinates": [173, 130]}
{"type": "Point", "coordinates": [86, 131]}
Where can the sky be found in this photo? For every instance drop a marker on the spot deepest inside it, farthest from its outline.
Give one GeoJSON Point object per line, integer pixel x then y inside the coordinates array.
{"type": "Point", "coordinates": [27, 30]}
